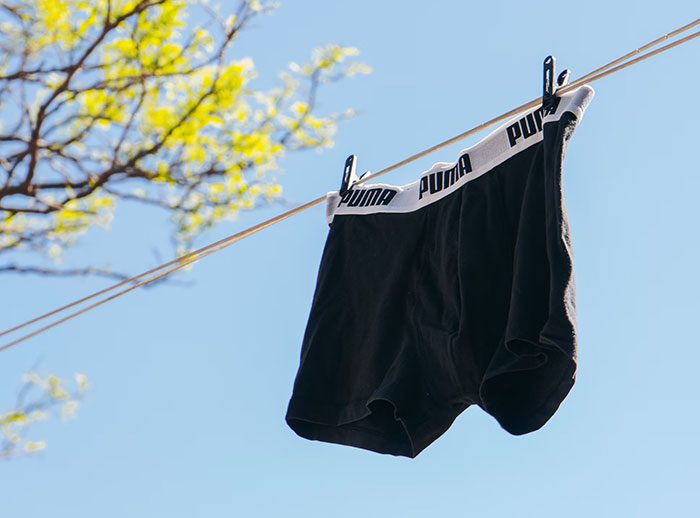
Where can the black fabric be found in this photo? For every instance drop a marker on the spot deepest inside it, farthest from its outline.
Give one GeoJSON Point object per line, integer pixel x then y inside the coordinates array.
{"type": "Point", "coordinates": [466, 301]}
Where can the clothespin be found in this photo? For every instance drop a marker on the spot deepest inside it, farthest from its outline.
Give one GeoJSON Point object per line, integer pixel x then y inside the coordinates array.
{"type": "Point", "coordinates": [550, 101]}
{"type": "Point", "coordinates": [349, 175]}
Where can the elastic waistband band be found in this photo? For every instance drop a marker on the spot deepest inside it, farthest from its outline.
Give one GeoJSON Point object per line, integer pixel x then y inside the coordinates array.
{"type": "Point", "coordinates": [444, 178]}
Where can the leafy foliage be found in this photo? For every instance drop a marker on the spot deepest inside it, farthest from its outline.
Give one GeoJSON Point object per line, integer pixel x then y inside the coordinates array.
{"type": "Point", "coordinates": [104, 100]}
{"type": "Point", "coordinates": [55, 396]}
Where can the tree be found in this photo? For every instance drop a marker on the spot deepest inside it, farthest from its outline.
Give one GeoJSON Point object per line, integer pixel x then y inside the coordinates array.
{"type": "Point", "coordinates": [108, 100]}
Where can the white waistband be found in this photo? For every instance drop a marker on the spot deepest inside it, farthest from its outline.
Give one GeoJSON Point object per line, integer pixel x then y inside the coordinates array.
{"type": "Point", "coordinates": [444, 178]}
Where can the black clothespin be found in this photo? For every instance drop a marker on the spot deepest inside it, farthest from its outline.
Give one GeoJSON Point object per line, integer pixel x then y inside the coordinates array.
{"type": "Point", "coordinates": [349, 175]}
{"type": "Point", "coordinates": [550, 101]}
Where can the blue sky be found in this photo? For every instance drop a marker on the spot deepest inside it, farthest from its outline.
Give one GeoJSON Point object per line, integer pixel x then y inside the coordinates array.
{"type": "Point", "coordinates": [191, 383]}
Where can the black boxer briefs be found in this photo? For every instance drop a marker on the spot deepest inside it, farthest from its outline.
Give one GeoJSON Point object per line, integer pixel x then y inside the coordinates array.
{"type": "Point", "coordinates": [452, 291]}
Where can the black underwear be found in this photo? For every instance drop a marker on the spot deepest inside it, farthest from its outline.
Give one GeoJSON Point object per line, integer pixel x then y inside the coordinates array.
{"type": "Point", "coordinates": [452, 291]}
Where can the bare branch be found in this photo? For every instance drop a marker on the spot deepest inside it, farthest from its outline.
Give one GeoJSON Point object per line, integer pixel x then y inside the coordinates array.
{"type": "Point", "coordinates": [27, 74]}
{"type": "Point", "coordinates": [143, 199]}
{"type": "Point", "coordinates": [101, 272]}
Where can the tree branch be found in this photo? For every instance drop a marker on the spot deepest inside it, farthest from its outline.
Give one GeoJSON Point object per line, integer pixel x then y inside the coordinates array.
{"type": "Point", "coordinates": [72, 69]}
{"type": "Point", "coordinates": [101, 272]}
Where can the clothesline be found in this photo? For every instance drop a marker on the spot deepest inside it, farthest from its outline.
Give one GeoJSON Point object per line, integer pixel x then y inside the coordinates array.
{"type": "Point", "coordinates": [169, 267]}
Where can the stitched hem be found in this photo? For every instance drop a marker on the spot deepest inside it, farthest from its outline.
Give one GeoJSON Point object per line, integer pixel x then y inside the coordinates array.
{"type": "Point", "coordinates": [376, 426]}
